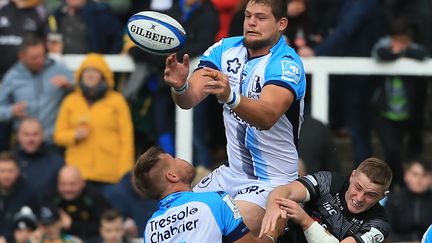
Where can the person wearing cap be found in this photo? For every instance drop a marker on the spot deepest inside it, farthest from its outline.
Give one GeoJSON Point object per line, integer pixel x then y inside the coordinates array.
{"type": "Point", "coordinates": [50, 229]}
{"type": "Point", "coordinates": [25, 222]}
{"type": "Point", "coordinates": [95, 126]}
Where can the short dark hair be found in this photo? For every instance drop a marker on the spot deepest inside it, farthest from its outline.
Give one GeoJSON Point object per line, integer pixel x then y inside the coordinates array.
{"type": "Point", "coordinates": [279, 7]}
{"type": "Point", "coordinates": [377, 171]}
{"type": "Point", "coordinates": [401, 26]}
{"type": "Point", "coordinates": [8, 156]}
{"type": "Point", "coordinates": [30, 40]}
{"type": "Point", "coordinates": [146, 162]}
{"type": "Point", "coordinates": [422, 162]}
{"type": "Point", "coordinates": [111, 215]}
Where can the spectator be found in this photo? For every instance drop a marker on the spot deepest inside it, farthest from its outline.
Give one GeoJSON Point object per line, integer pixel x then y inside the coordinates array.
{"type": "Point", "coordinates": [94, 124]}
{"type": "Point", "coordinates": [51, 228]}
{"type": "Point", "coordinates": [409, 209]}
{"type": "Point", "coordinates": [88, 26]}
{"type": "Point", "coordinates": [348, 207]}
{"type": "Point", "coordinates": [226, 10]}
{"type": "Point", "coordinates": [25, 222]}
{"type": "Point", "coordinates": [15, 193]}
{"type": "Point", "coordinates": [394, 96]}
{"type": "Point", "coordinates": [135, 208]}
{"type": "Point", "coordinates": [112, 227]}
{"type": "Point", "coordinates": [80, 206]}
{"type": "Point", "coordinates": [206, 216]}
{"type": "Point", "coordinates": [417, 14]}
{"type": "Point", "coordinates": [38, 162]}
{"type": "Point", "coordinates": [34, 87]}
{"type": "Point", "coordinates": [18, 19]}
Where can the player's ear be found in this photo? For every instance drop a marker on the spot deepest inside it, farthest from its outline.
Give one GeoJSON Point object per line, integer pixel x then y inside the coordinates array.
{"type": "Point", "coordinates": [283, 24]}
{"type": "Point", "coordinates": [172, 177]}
{"type": "Point", "coordinates": [352, 175]}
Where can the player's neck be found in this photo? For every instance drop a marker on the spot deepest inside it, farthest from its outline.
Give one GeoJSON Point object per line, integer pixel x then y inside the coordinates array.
{"type": "Point", "coordinates": [258, 53]}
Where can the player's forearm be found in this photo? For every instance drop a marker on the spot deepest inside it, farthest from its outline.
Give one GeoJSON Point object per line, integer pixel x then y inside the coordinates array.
{"type": "Point", "coordinates": [187, 97]}
{"type": "Point", "coordinates": [256, 113]}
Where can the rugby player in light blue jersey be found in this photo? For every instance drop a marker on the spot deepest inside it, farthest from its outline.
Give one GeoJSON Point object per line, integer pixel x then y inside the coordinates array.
{"type": "Point", "coordinates": [185, 216]}
{"type": "Point", "coordinates": [261, 82]}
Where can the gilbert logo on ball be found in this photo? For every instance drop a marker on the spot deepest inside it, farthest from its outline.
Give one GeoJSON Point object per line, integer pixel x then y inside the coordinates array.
{"type": "Point", "coordinates": [156, 32]}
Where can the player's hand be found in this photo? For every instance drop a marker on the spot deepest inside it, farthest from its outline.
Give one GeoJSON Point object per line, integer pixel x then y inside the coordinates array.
{"type": "Point", "coordinates": [218, 85]}
{"type": "Point", "coordinates": [60, 81]}
{"type": "Point", "coordinates": [176, 73]}
{"type": "Point", "coordinates": [19, 109]}
{"type": "Point", "coordinates": [295, 212]}
{"type": "Point", "coordinates": [272, 215]}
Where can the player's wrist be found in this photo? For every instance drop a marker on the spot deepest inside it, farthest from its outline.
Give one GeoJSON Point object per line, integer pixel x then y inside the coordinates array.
{"type": "Point", "coordinates": [181, 90]}
{"type": "Point", "coordinates": [233, 100]}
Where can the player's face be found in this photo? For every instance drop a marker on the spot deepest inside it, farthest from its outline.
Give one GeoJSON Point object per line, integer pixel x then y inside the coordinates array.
{"type": "Point", "coordinates": [260, 28]}
{"type": "Point", "coordinates": [362, 194]}
{"type": "Point", "coordinates": [112, 231]}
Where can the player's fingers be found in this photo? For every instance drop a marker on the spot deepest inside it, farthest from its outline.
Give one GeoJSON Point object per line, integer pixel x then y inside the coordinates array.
{"type": "Point", "coordinates": [186, 60]}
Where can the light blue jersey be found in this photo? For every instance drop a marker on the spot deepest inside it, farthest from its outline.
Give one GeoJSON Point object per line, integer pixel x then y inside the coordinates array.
{"type": "Point", "coordinates": [271, 155]}
{"type": "Point", "coordinates": [190, 217]}
{"type": "Point", "coordinates": [427, 237]}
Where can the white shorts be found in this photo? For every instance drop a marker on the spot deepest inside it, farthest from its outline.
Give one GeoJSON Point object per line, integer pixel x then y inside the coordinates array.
{"type": "Point", "coordinates": [224, 179]}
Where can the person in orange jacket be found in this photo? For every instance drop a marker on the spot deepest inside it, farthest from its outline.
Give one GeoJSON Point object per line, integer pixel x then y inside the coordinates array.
{"type": "Point", "coordinates": [94, 125]}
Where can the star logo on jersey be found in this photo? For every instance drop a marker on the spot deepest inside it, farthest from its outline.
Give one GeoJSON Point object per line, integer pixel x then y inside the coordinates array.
{"type": "Point", "coordinates": [233, 65]}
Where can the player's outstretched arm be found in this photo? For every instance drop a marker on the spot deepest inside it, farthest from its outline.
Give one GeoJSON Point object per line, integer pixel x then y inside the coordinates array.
{"type": "Point", "coordinates": [295, 191]}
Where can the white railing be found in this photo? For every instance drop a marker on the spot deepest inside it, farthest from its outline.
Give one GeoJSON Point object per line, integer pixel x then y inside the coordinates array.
{"type": "Point", "coordinates": [319, 67]}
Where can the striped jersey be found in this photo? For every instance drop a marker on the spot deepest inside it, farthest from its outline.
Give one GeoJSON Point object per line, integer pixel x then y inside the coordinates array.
{"type": "Point", "coordinates": [266, 155]}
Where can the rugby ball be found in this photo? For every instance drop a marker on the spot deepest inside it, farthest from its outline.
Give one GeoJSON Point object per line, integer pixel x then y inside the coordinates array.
{"type": "Point", "coordinates": [156, 32]}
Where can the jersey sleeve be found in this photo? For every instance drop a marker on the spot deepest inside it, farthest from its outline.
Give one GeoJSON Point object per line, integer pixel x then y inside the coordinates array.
{"type": "Point", "coordinates": [317, 183]}
{"type": "Point", "coordinates": [212, 56]}
{"type": "Point", "coordinates": [375, 230]}
{"type": "Point", "coordinates": [229, 220]}
{"type": "Point", "coordinates": [287, 72]}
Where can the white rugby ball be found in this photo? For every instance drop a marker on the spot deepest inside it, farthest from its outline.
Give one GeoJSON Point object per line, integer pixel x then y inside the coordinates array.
{"type": "Point", "coordinates": [156, 32]}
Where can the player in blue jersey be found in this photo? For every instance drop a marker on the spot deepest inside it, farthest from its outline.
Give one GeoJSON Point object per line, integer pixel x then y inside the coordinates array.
{"type": "Point", "coordinates": [261, 82]}
{"type": "Point", "coordinates": [183, 215]}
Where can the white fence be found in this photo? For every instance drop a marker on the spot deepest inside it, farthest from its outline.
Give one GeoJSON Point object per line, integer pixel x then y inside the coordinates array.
{"type": "Point", "coordinates": [319, 67]}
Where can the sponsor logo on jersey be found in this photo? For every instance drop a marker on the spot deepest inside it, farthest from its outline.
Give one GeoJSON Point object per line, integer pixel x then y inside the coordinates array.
{"type": "Point", "coordinates": [252, 189]}
{"type": "Point", "coordinates": [233, 65]}
{"type": "Point", "coordinates": [231, 112]}
{"type": "Point", "coordinates": [329, 208]}
{"type": "Point", "coordinates": [291, 71]}
{"type": "Point", "coordinates": [205, 181]}
{"type": "Point", "coordinates": [177, 223]}
{"type": "Point", "coordinates": [373, 236]}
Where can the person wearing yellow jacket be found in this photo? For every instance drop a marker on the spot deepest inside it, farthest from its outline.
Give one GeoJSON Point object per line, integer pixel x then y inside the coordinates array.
{"type": "Point", "coordinates": [94, 125]}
